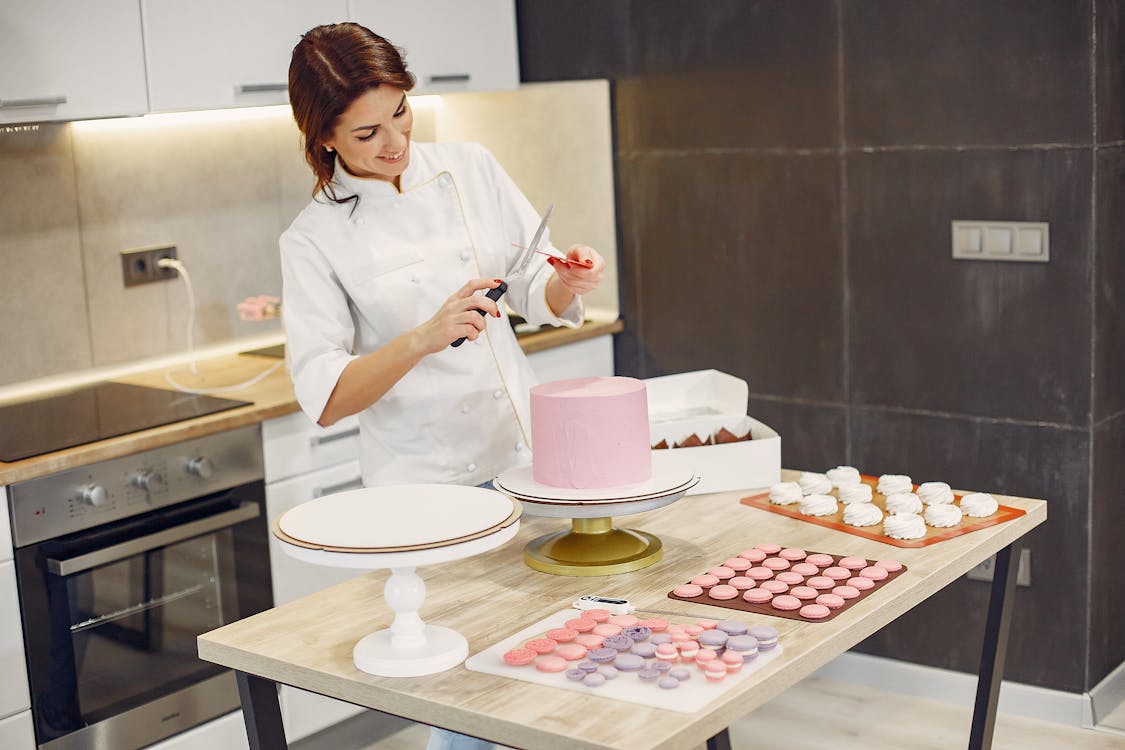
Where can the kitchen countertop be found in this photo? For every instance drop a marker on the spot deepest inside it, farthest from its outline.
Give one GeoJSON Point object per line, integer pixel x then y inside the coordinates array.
{"type": "Point", "coordinates": [271, 397]}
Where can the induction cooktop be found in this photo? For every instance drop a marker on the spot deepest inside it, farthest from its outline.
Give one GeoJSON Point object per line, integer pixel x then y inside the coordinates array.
{"type": "Point", "coordinates": [95, 412]}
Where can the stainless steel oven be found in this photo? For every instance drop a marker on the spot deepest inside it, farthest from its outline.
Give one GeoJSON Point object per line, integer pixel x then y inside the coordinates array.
{"type": "Point", "coordinates": [120, 565]}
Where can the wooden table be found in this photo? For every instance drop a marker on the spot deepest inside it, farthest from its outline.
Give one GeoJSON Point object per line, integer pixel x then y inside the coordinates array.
{"type": "Point", "coordinates": [308, 643]}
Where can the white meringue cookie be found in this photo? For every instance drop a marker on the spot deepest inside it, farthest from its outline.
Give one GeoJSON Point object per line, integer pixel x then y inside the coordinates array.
{"type": "Point", "coordinates": [785, 493]}
{"type": "Point", "coordinates": [843, 475]}
{"type": "Point", "coordinates": [892, 484]}
{"type": "Point", "coordinates": [855, 493]}
{"type": "Point", "coordinates": [979, 504]}
{"type": "Point", "coordinates": [943, 514]}
{"type": "Point", "coordinates": [903, 502]}
{"type": "Point", "coordinates": [814, 484]}
{"type": "Point", "coordinates": [934, 493]}
{"type": "Point", "coordinates": [818, 505]}
{"type": "Point", "coordinates": [862, 514]}
{"type": "Point", "coordinates": [904, 526]}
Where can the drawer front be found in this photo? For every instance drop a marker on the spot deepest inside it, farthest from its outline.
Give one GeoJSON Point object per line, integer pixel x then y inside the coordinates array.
{"type": "Point", "coordinates": [17, 732]}
{"type": "Point", "coordinates": [293, 445]}
{"type": "Point", "coordinates": [292, 578]}
{"type": "Point", "coordinates": [13, 687]}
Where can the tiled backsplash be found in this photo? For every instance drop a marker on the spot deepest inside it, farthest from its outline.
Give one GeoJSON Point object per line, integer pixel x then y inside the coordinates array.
{"type": "Point", "coordinates": [222, 187]}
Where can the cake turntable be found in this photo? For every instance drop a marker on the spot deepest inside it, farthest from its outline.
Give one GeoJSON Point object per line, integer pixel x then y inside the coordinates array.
{"type": "Point", "coordinates": [593, 546]}
{"type": "Point", "coordinates": [355, 530]}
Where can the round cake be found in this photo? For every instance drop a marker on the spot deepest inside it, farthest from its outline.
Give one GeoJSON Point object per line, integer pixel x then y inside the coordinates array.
{"type": "Point", "coordinates": [590, 433]}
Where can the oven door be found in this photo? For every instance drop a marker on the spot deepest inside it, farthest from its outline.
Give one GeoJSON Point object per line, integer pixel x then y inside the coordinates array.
{"type": "Point", "coordinates": [111, 615]}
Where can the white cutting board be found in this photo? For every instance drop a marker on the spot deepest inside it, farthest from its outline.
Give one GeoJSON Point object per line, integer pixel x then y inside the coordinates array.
{"type": "Point", "coordinates": [691, 696]}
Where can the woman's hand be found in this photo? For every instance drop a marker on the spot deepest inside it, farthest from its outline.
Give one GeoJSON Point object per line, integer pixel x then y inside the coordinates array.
{"type": "Point", "coordinates": [458, 317]}
{"type": "Point", "coordinates": [583, 273]}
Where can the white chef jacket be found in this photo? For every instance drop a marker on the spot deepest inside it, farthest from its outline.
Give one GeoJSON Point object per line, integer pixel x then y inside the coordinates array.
{"type": "Point", "coordinates": [355, 278]}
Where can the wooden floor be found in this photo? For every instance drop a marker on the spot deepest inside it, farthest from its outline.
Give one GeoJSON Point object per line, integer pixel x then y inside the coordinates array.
{"type": "Point", "coordinates": [850, 717]}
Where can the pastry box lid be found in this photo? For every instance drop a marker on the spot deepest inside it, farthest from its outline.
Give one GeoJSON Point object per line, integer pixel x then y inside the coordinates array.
{"type": "Point", "coordinates": [692, 395]}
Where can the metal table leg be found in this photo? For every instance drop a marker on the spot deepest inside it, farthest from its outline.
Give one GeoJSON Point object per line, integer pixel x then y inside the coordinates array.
{"type": "Point", "coordinates": [995, 647]}
{"type": "Point", "coordinates": [720, 741]}
{"type": "Point", "coordinates": [261, 712]}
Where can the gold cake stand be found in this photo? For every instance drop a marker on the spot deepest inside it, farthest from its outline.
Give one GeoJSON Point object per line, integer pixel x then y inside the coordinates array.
{"type": "Point", "coordinates": [593, 546]}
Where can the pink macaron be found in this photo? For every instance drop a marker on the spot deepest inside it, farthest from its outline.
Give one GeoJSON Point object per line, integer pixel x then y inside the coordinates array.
{"type": "Point", "coordinates": [792, 554]}
{"type": "Point", "coordinates": [805, 569]}
{"type": "Point", "coordinates": [774, 587]}
{"type": "Point", "coordinates": [819, 559]}
{"type": "Point", "coordinates": [741, 583]}
{"type": "Point", "coordinates": [737, 564]}
{"type": "Point", "coordinates": [775, 563]}
{"type": "Point", "coordinates": [861, 583]}
{"type": "Point", "coordinates": [786, 602]}
{"type": "Point", "coordinates": [836, 573]}
{"type": "Point", "coordinates": [769, 548]}
{"type": "Point", "coordinates": [891, 566]}
{"type": "Point", "coordinates": [821, 583]}
{"type": "Point", "coordinates": [759, 574]}
{"type": "Point", "coordinates": [815, 611]}
{"type": "Point", "coordinates": [721, 572]}
{"type": "Point", "coordinates": [624, 621]}
{"type": "Point", "coordinates": [688, 590]}
{"type": "Point", "coordinates": [551, 663]}
{"type": "Point", "coordinates": [722, 592]}
{"type": "Point", "coordinates": [571, 651]}
{"type": "Point", "coordinates": [804, 593]}
{"type": "Point", "coordinates": [832, 601]}
{"type": "Point", "coordinates": [790, 578]}
{"type": "Point", "coordinates": [847, 592]}
{"type": "Point", "coordinates": [874, 572]}
{"type": "Point", "coordinates": [853, 563]}
{"type": "Point", "coordinates": [705, 580]}
{"type": "Point", "coordinates": [753, 555]}
{"type": "Point", "coordinates": [756, 596]}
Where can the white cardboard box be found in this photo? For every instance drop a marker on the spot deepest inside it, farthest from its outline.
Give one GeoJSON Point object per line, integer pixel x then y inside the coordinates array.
{"type": "Point", "coordinates": [701, 402]}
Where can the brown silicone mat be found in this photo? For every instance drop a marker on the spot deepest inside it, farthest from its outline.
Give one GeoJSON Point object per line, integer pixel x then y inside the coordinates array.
{"type": "Point", "coordinates": [933, 535]}
{"type": "Point", "coordinates": [517, 511]}
{"type": "Point", "coordinates": [765, 609]}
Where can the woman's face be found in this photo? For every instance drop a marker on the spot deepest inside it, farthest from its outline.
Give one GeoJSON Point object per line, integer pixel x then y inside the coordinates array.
{"type": "Point", "coordinates": [372, 136]}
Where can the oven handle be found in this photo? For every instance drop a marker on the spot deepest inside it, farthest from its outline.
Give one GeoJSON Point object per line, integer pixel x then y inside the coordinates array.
{"type": "Point", "coordinates": [116, 552]}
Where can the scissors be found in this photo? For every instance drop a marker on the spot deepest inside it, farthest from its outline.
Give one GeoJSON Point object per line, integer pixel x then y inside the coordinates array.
{"type": "Point", "coordinates": [521, 265]}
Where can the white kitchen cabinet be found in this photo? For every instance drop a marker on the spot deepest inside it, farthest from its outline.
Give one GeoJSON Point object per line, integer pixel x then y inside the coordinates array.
{"type": "Point", "coordinates": [450, 45]}
{"type": "Point", "coordinates": [214, 54]}
{"type": "Point", "coordinates": [13, 688]}
{"type": "Point", "coordinates": [303, 462]}
{"type": "Point", "coordinates": [70, 60]}
{"type": "Point", "coordinates": [17, 732]}
{"type": "Point", "coordinates": [228, 732]}
{"type": "Point", "coordinates": [582, 359]}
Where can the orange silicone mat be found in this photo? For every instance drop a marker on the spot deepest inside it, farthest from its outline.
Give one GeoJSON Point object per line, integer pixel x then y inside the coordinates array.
{"type": "Point", "coordinates": [933, 535]}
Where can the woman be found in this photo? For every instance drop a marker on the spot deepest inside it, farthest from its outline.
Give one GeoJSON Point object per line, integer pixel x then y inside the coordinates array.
{"type": "Point", "coordinates": [384, 269]}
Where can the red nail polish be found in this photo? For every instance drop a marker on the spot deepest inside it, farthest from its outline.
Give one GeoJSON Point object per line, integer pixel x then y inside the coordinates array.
{"type": "Point", "coordinates": [498, 281]}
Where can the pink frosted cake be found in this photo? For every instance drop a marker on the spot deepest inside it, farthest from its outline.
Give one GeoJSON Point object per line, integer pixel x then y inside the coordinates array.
{"type": "Point", "coordinates": [589, 433]}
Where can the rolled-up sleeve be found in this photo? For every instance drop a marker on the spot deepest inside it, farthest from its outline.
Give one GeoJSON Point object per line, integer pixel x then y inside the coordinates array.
{"type": "Point", "coordinates": [527, 292]}
{"type": "Point", "coordinates": [319, 329]}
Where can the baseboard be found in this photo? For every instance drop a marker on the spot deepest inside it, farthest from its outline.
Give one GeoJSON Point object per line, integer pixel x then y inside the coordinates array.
{"type": "Point", "coordinates": [959, 688]}
{"type": "Point", "coordinates": [1109, 693]}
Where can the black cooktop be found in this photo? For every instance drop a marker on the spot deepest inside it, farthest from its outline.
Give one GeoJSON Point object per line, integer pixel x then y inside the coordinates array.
{"type": "Point", "coordinates": [103, 410]}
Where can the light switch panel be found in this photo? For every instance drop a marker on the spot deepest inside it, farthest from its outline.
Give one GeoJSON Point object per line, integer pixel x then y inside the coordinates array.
{"type": "Point", "coordinates": [1027, 241]}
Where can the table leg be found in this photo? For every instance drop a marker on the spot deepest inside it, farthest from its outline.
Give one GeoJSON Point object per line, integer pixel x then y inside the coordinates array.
{"type": "Point", "coordinates": [720, 741]}
{"type": "Point", "coordinates": [995, 647]}
{"type": "Point", "coordinates": [261, 712]}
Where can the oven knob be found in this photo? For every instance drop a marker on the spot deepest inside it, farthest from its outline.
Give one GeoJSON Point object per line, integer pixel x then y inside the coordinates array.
{"type": "Point", "coordinates": [150, 481]}
{"type": "Point", "coordinates": [200, 467]}
{"type": "Point", "coordinates": [93, 494]}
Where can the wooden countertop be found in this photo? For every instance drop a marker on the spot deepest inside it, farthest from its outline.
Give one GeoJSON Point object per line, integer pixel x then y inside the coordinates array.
{"type": "Point", "coordinates": [308, 642]}
{"type": "Point", "coordinates": [271, 397]}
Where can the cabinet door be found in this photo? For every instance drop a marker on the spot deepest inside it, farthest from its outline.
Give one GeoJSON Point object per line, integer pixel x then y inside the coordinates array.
{"type": "Point", "coordinates": [17, 732]}
{"type": "Point", "coordinates": [450, 45]}
{"type": "Point", "coordinates": [213, 54]}
{"type": "Point", "coordinates": [70, 60]}
{"type": "Point", "coordinates": [293, 578]}
{"type": "Point", "coordinates": [13, 688]}
{"type": "Point", "coordinates": [293, 445]}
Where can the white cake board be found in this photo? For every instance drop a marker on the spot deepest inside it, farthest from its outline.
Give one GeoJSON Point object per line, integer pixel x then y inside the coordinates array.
{"type": "Point", "coordinates": [691, 696]}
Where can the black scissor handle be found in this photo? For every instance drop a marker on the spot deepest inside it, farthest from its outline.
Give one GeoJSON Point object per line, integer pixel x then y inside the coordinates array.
{"type": "Point", "coordinates": [492, 294]}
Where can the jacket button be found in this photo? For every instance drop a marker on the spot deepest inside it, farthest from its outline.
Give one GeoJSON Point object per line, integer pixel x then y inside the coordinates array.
{"type": "Point", "coordinates": [416, 279]}
{"type": "Point", "coordinates": [498, 394]}
{"type": "Point", "coordinates": [465, 255]}
{"type": "Point", "coordinates": [471, 467]}
{"type": "Point", "coordinates": [360, 221]}
{"type": "Point", "coordinates": [464, 408]}
{"type": "Point", "coordinates": [519, 447]}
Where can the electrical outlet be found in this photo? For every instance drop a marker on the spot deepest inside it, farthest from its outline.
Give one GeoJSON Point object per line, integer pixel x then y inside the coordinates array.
{"type": "Point", "coordinates": [984, 571]}
{"type": "Point", "coordinates": [139, 265]}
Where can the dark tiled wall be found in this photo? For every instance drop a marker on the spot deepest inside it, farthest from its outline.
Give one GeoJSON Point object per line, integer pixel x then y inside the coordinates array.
{"type": "Point", "coordinates": [787, 172]}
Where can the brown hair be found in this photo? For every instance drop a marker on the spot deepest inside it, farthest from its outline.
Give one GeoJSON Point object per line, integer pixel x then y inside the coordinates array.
{"type": "Point", "coordinates": [332, 66]}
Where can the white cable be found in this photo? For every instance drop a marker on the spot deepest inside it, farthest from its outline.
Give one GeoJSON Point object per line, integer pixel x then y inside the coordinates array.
{"type": "Point", "coordinates": [183, 272]}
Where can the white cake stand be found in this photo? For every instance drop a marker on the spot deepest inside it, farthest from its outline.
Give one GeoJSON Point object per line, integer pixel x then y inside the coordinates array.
{"type": "Point", "coordinates": [468, 526]}
{"type": "Point", "coordinates": [593, 546]}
